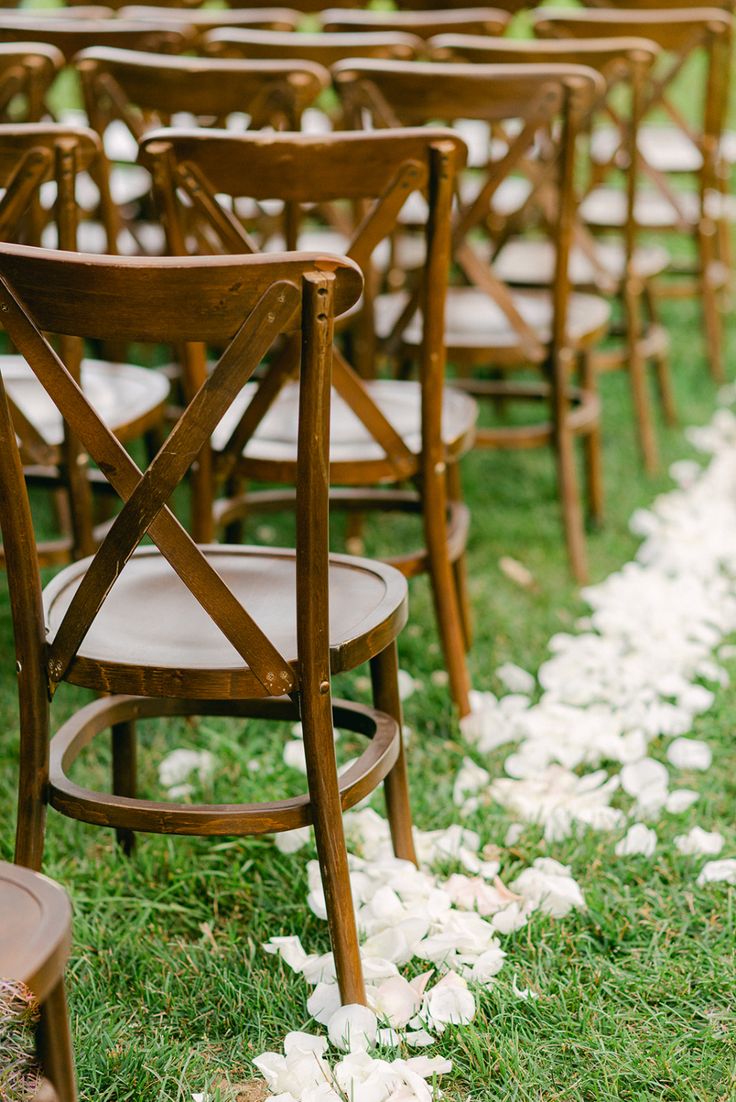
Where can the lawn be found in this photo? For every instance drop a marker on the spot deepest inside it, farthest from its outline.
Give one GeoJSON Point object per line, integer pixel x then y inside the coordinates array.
{"type": "Point", "coordinates": [171, 992]}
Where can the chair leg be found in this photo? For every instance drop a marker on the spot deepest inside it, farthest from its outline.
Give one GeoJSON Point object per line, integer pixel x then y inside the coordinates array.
{"type": "Point", "coordinates": [55, 1045]}
{"type": "Point", "coordinates": [711, 309]}
{"type": "Point", "coordinates": [460, 566]}
{"type": "Point", "coordinates": [124, 774]}
{"type": "Point", "coordinates": [567, 479]}
{"type": "Point", "coordinates": [593, 446]}
{"type": "Point", "coordinates": [329, 836]}
{"type": "Point", "coordinates": [444, 593]}
{"type": "Point", "coordinates": [384, 676]}
{"type": "Point", "coordinates": [638, 379]}
{"type": "Point", "coordinates": [661, 360]}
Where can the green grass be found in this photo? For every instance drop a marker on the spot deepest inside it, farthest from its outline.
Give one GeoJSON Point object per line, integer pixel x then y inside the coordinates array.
{"type": "Point", "coordinates": [169, 988]}
{"type": "Point", "coordinates": [170, 991]}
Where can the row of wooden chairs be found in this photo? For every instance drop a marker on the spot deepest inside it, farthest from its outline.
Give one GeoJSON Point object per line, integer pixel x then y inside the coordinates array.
{"type": "Point", "coordinates": [224, 633]}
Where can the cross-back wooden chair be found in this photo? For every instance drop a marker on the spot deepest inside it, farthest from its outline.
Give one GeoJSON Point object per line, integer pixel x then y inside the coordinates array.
{"type": "Point", "coordinates": [488, 324]}
{"type": "Point", "coordinates": [618, 265]}
{"type": "Point", "coordinates": [137, 91]}
{"type": "Point", "coordinates": [423, 24]}
{"type": "Point", "coordinates": [700, 212]}
{"type": "Point", "coordinates": [188, 629]}
{"type": "Point", "coordinates": [35, 157]}
{"type": "Point", "coordinates": [385, 433]}
{"type": "Point", "coordinates": [27, 71]}
{"type": "Point", "coordinates": [322, 49]}
{"type": "Point", "coordinates": [35, 941]}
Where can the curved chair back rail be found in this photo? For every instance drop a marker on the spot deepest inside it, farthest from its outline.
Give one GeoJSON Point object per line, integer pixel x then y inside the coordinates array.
{"type": "Point", "coordinates": [207, 19]}
{"type": "Point", "coordinates": [424, 24]}
{"type": "Point", "coordinates": [69, 36]}
{"type": "Point", "coordinates": [323, 49]}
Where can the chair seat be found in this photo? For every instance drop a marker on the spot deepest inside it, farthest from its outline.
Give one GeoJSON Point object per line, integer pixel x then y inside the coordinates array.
{"type": "Point", "coordinates": [128, 399]}
{"type": "Point", "coordinates": [532, 263]}
{"type": "Point", "coordinates": [152, 631]}
{"type": "Point", "coordinates": [665, 148]}
{"type": "Point", "coordinates": [474, 321]}
{"type": "Point", "coordinates": [605, 208]}
{"type": "Point", "coordinates": [350, 442]}
{"type": "Point", "coordinates": [35, 929]}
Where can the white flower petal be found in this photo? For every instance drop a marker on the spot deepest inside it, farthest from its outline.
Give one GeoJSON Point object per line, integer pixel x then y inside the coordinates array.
{"type": "Point", "coordinates": [353, 1027]}
{"type": "Point", "coordinates": [699, 841]}
{"type": "Point", "coordinates": [639, 840]}
{"type": "Point", "coordinates": [689, 753]}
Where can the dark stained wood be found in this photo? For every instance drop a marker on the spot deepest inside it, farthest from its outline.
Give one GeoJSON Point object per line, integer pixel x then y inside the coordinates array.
{"type": "Point", "coordinates": [682, 35]}
{"type": "Point", "coordinates": [487, 323]}
{"type": "Point", "coordinates": [28, 70]}
{"type": "Point", "coordinates": [71, 35]}
{"type": "Point", "coordinates": [35, 939]}
{"type": "Point", "coordinates": [621, 267]}
{"type": "Point", "coordinates": [323, 49]}
{"type": "Point", "coordinates": [195, 630]}
{"type": "Point", "coordinates": [424, 24]}
{"type": "Point", "coordinates": [383, 431]}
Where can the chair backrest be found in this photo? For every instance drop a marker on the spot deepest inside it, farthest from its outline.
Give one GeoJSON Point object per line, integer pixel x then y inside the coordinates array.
{"type": "Point", "coordinates": [246, 303]}
{"type": "Point", "coordinates": [543, 106]}
{"type": "Point", "coordinates": [35, 156]}
{"type": "Point", "coordinates": [27, 71]}
{"type": "Point", "coordinates": [510, 6]}
{"type": "Point", "coordinates": [207, 19]}
{"type": "Point", "coordinates": [373, 174]}
{"type": "Point", "coordinates": [625, 65]}
{"type": "Point", "coordinates": [681, 34]}
{"type": "Point", "coordinates": [144, 91]}
{"type": "Point", "coordinates": [322, 49]}
{"type": "Point", "coordinates": [424, 24]}
{"type": "Point", "coordinates": [70, 35]}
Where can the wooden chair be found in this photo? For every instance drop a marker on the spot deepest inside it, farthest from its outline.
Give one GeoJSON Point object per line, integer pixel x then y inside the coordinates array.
{"type": "Point", "coordinates": [190, 629]}
{"type": "Point", "coordinates": [701, 212]}
{"type": "Point", "coordinates": [423, 24]}
{"type": "Point", "coordinates": [35, 941]}
{"type": "Point", "coordinates": [384, 433]}
{"type": "Point", "coordinates": [488, 324]}
{"type": "Point", "coordinates": [618, 265]}
{"type": "Point", "coordinates": [35, 157]}
{"type": "Point", "coordinates": [27, 71]}
{"type": "Point", "coordinates": [321, 49]}
{"type": "Point", "coordinates": [132, 92]}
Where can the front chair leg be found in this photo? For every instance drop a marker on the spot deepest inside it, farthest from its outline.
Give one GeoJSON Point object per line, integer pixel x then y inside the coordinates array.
{"type": "Point", "coordinates": [124, 774]}
{"type": "Point", "coordinates": [385, 679]}
{"type": "Point", "coordinates": [329, 836]}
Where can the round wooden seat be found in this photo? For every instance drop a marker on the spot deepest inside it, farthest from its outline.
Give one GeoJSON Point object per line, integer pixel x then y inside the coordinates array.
{"type": "Point", "coordinates": [35, 929]}
{"type": "Point", "coordinates": [532, 262]}
{"type": "Point", "coordinates": [152, 631]}
{"type": "Point", "coordinates": [474, 321]}
{"type": "Point", "coordinates": [274, 442]}
{"type": "Point", "coordinates": [606, 208]}
{"type": "Point", "coordinates": [665, 148]}
{"type": "Point", "coordinates": [129, 399]}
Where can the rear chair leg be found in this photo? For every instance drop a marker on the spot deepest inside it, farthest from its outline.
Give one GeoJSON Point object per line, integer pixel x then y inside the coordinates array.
{"type": "Point", "coordinates": [385, 679]}
{"type": "Point", "coordinates": [124, 774]}
{"type": "Point", "coordinates": [330, 839]}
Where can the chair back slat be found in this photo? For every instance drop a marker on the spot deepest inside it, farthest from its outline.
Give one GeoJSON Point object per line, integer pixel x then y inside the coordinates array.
{"type": "Point", "coordinates": [70, 36]}
{"type": "Point", "coordinates": [424, 24]}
